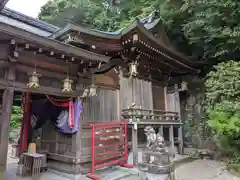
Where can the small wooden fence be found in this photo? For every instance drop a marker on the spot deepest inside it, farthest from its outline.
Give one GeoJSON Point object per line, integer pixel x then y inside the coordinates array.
{"type": "Point", "coordinates": [109, 146]}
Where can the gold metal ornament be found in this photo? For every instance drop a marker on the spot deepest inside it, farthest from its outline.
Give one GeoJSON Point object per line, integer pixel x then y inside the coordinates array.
{"type": "Point", "coordinates": [34, 80]}
{"type": "Point", "coordinates": [133, 69]}
{"type": "Point", "coordinates": [67, 85]}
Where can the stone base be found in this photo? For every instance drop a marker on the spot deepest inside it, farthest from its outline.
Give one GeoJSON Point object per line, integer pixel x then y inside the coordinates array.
{"type": "Point", "coordinates": [156, 169]}
{"type": "Point", "coordinates": [150, 176]}
{"type": "Point", "coordinates": [67, 167]}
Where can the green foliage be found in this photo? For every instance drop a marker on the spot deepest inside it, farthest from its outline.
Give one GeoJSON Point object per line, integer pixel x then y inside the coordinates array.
{"type": "Point", "coordinates": [223, 105]}
{"type": "Point", "coordinates": [95, 14]}
{"type": "Point", "coordinates": [15, 117]}
{"type": "Point", "coordinates": [15, 122]}
{"type": "Point", "coordinates": [215, 24]}
{"type": "Point", "coordinates": [223, 86]}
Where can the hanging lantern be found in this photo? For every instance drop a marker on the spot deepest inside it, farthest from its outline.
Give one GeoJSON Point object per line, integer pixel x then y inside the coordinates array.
{"type": "Point", "coordinates": [92, 88]}
{"type": "Point", "coordinates": [85, 93]}
{"type": "Point", "coordinates": [184, 86]}
{"type": "Point", "coordinates": [133, 69]}
{"type": "Point", "coordinates": [92, 91]}
{"type": "Point", "coordinates": [34, 80]}
{"type": "Point", "coordinates": [135, 38]}
{"type": "Point", "coordinates": [67, 85]}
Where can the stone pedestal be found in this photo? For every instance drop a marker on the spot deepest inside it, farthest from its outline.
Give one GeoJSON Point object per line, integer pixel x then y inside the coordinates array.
{"type": "Point", "coordinates": [155, 172]}
{"type": "Point", "coordinates": [150, 176]}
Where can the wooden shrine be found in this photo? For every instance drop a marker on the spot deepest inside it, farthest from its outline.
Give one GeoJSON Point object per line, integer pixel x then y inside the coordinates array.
{"type": "Point", "coordinates": [136, 72]}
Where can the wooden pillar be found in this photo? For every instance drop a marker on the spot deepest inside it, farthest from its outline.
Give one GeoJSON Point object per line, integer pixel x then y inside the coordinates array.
{"type": "Point", "coordinates": [5, 119]}
{"type": "Point", "coordinates": [135, 144]}
{"type": "Point", "coordinates": [171, 136]}
{"type": "Point", "coordinates": [134, 127]}
{"type": "Point", "coordinates": [165, 98]}
{"type": "Point", "coordinates": [160, 130]}
{"type": "Point", "coordinates": [180, 139]}
{"type": "Point", "coordinates": [178, 110]}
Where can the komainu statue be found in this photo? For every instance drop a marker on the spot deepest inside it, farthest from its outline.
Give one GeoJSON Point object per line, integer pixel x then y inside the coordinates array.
{"type": "Point", "coordinates": [155, 144]}
{"type": "Point", "coordinates": [156, 162]}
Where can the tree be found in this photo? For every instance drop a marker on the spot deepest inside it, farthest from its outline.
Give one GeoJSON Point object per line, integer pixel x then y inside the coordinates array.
{"type": "Point", "coordinates": [204, 29]}
{"type": "Point", "coordinates": [214, 28]}
{"type": "Point", "coordinates": [223, 104]}
{"type": "Point", "coordinates": [102, 15]}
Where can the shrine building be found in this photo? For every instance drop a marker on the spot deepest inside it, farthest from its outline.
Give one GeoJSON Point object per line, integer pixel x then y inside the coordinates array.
{"type": "Point", "coordinates": [134, 74]}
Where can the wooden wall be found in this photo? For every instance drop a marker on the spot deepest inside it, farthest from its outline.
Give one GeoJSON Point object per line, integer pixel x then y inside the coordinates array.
{"type": "Point", "coordinates": [103, 107]}
{"type": "Point", "coordinates": [142, 94]}
{"type": "Point", "coordinates": [158, 97]}
{"type": "Point", "coordinates": [173, 101]}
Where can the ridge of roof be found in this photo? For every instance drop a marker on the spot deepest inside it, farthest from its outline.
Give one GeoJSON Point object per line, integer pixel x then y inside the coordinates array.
{"type": "Point", "coordinates": [50, 43]}
{"type": "Point", "coordinates": [149, 22]}
{"type": "Point", "coordinates": [29, 20]}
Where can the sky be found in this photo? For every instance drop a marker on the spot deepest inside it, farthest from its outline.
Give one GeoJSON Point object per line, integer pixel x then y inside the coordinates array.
{"type": "Point", "coordinates": [28, 7]}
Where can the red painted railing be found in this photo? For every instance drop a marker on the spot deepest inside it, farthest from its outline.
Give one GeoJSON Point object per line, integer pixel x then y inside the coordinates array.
{"type": "Point", "coordinates": [109, 146]}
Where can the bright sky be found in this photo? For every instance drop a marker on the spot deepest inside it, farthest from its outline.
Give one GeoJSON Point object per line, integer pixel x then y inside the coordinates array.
{"type": "Point", "coordinates": [28, 7]}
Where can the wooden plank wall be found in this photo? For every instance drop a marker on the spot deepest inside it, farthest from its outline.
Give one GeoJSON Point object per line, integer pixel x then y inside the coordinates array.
{"type": "Point", "coordinates": [158, 97]}
{"type": "Point", "coordinates": [101, 108]}
{"type": "Point", "coordinates": [173, 102]}
{"type": "Point", "coordinates": [142, 94]}
{"type": "Point", "coordinates": [170, 102]}
{"type": "Point", "coordinates": [104, 107]}
{"type": "Point", "coordinates": [138, 91]}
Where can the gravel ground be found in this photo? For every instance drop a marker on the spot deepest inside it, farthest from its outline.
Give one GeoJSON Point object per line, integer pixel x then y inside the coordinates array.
{"type": "Point", "coordinates": [204, 170]}
{"type": "Point", "coordinates": [195, 170]}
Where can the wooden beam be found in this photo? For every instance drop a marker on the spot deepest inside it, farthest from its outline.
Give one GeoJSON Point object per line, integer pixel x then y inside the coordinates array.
{"type": "Point", "coordinates": [41, 90]}
{"type": "Point", "coordinates": [44, 72]}
{"type": "Point", "coordinates": [47, 63]}
{"type": "Point", "coordinates": [28, 37]}
{"type": "Point", "coordinates": [5, 119]}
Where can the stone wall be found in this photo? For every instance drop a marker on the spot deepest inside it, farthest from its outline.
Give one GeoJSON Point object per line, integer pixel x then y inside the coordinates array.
{"type": "Point", "coordinates": [193, 114]}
